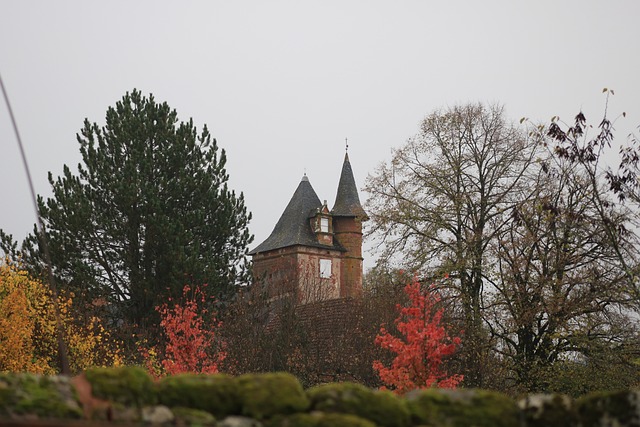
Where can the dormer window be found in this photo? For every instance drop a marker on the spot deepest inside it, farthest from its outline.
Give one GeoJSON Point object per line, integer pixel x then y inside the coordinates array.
{"type": "Point", "coordinates": [320, 222]}
{"type": "Point", "coordinates": [322, 228]}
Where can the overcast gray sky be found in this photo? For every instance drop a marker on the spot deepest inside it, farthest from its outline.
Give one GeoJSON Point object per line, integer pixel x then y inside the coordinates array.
{"type": "Point", "coordinates": [281, 84]}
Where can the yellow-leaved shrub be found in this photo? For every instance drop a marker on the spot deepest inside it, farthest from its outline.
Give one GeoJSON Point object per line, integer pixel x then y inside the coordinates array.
{"type": "Point", "coordinates": [28, 337]}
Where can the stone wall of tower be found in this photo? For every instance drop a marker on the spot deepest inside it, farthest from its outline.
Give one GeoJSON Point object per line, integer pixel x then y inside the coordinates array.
{"type": "Point", "coordinates": [277, 271]}
{"type": "Point", "coordinates": [311, 287]}
{"type": "Point", "coordinates": [296, 270]}
{"type": "Point", "coordinates": [348, 231]}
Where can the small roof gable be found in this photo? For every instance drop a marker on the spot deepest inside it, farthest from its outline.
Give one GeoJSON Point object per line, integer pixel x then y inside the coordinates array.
{"type": "Point", "coordinates": [293, 227]}
{"type": "Point", "coordinates": [347, 200]}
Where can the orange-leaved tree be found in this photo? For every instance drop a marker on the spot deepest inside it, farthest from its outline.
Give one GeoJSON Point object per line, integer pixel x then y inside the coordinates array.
{"type": "Point", "coordinates": [191, 340]}
{"type": "Point", "coordinates": [424, 344]}
{"type": "Point", "coordinates": [28, 338]}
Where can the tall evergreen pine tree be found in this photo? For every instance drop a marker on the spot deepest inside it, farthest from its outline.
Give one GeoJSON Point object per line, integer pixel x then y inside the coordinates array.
{"type": "Point", "coordinates": [148, 211]}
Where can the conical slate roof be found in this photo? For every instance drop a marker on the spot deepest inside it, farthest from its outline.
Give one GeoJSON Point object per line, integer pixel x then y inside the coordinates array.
{"type": "Point", "coordinates": [347, 200]}
{"type": "Point", "coordinates": [293, 227]}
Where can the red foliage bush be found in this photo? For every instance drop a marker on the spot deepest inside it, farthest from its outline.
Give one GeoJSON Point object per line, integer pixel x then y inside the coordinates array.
{"type": "Point", "coordinates": [190, 346]}
{"type": "Point", "coordinates": [423, 345]}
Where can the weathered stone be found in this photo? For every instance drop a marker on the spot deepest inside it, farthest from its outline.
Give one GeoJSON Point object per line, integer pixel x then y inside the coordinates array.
{"type": "Point", "coordinates": [120, 413]}
{"type": "Point", "coordinates": [33, 396]}
{"type": "Point", "coordinates": [294, 420]}
{"type": "Point", "coordinates": [381, 407]}
{"type": "Point", "coordinates": [129, 385]}
{"type": "Point", "coordinates": [343, 420]}
{"type": "Point", "coordinates": [277, 400]}
{"type": "Point", "coordinates": [237, 421]}
{"type": "Point", "coordinates": [193, 417]}
{"type": "Point", "coordinates": [549, 410]}
{"type": "Point", "coordinates": [216, 394]}
{"type": "Point", "coordinates": [65, 390]}
{"type": "Point", "coordinates": [618, 409]}
{"type": "Point", "coordinates": [266, 395]}
{"type": "Point", "coordinates": [158, 414]}
{"type": "Point", "coordinates": [462, 407]}
{"type": "Point", "coordinates": [320, 419]}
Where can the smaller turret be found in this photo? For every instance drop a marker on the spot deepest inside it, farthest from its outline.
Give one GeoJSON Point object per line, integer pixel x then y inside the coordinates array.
{"type": "Point", "coordinates": [347, 200]}
{"type": "Point", "coordinates": [348, 216]}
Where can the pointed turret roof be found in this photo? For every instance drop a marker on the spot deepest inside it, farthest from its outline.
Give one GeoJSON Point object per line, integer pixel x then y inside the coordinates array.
{"type": "Point", "coordinates": [347, 200]}
{"type": "Point", "coordinates": [293, 227]}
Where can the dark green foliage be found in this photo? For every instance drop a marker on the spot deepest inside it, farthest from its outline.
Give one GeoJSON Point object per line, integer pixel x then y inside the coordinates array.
{"type": "Point", "coordinates": [33, 395]}
{"type": "Point", "coordinates": [608, 369]}
{"type": "Point", "coordinates": [549, 410]}
{"type": "Point", "coordinates": [266, 395]}
{"type": "Point", "coordinates": [609, 408]}
{"type": "Point", "coordinates": [381, 407]}
{"type": "Point", "coordinates": [462, 407]}
{"type": "Point", "coordinates": [6, 394]}
{"type": "Point", "coordinates": [148, 211]}
{"type": "Point", "coordinates": [216, 394]}
{"type": "Point", "coordinates": [128, 385]}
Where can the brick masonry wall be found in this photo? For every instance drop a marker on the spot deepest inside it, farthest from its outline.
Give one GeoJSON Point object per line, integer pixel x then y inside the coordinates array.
{"type": "Point", "coordinates": [297, 268]}
{"type": "Point", "coordinates": [348, 231]}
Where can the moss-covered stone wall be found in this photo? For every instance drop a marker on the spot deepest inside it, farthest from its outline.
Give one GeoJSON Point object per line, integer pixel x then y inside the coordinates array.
{"type": "Point", "coordinates": [129, 395]}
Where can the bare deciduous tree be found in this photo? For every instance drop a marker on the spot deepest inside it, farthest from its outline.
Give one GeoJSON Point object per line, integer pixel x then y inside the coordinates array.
{"type": "Point", "coordinates": [443, 199]}
{"type": "Point", "coordinates": [560, 290]}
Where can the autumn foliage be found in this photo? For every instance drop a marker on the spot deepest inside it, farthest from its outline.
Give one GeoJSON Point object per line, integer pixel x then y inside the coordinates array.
{"type": "Point", "coordinates": [28, 337]}
{"type": "Point", "coordinates": [190, 344]}
{"type": "Point", "coordinates": [424, 344]}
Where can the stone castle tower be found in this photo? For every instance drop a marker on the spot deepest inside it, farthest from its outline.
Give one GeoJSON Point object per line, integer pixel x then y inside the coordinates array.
{"type": "Point", "coordinates": [313, 251]}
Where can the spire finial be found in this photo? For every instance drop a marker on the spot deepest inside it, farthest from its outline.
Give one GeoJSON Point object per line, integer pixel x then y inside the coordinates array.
{"type": "Point", "coordinates": [346, 145]}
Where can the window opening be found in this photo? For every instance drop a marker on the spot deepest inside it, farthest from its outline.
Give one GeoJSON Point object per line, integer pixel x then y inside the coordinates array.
{"type": "Point", "coordinates": [325, 268]}
{"type": "Point", "coordinates": [324, 225]}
